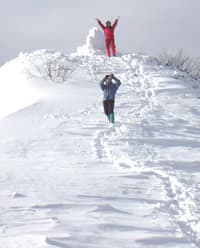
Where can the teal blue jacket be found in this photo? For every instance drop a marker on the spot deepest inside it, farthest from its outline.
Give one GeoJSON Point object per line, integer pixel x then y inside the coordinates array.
{"type": "Point", "coordinates": [109, 91]}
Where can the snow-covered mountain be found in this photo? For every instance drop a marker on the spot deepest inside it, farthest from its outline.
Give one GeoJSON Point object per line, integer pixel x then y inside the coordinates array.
{"type": "Point", "coordinates": [69, 179]}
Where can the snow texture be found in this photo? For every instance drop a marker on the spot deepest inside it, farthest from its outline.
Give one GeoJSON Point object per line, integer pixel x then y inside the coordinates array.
{"type": "Point", "coordinates": [94, 44]}
{"type": "Point", "coordinates": [70, 179]}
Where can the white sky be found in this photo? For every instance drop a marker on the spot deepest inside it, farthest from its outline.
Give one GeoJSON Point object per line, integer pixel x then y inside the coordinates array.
{"type": "Point", "coordinates": [145, 25]}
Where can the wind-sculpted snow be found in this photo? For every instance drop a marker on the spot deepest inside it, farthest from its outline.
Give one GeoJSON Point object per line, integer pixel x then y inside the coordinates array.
{"type": "Point", "coordinates": [70, 179]}
{"type": "Point", "coordinates": [94, 44]}
{"type": "Point", "coordinates": [15, 92]}
{"type": "Point", "coordinates": [26, 79]}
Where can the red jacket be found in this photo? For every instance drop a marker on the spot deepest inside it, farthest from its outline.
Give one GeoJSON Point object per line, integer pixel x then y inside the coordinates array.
{"type": "Point", "coordinates": [108, 31]}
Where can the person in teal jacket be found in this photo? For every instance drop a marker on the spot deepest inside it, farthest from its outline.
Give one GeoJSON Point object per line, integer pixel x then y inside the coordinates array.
{"type": "Point", "coordinates": [109, 91]}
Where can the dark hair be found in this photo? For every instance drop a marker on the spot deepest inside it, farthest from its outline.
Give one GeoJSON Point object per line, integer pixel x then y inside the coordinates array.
{"type": "Point", "coordinates": [107, 76]}
{"type": "Point", "coordinates": [108, 22]}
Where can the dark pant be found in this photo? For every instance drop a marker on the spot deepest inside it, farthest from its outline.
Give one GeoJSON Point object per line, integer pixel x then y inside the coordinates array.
{"type": "Point", "coordinates": [108, 106]}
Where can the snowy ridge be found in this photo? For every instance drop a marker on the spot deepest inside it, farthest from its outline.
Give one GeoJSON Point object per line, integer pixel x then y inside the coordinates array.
{"type": "Point", "coordinates": [85, 183]}
{"type": "Point", "coordinates": [34, 73]}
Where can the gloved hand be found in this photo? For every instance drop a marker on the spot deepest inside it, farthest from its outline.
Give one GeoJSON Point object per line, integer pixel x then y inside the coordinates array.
{"type": "Point", "coordinates": [112, 75]}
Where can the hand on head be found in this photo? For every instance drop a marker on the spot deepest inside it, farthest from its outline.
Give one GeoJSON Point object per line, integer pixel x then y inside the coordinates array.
{"type": "Point", "coordinates": [108, 78]}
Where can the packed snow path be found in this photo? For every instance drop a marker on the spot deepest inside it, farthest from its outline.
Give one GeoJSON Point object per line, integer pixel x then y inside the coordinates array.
{"type": "Point", "coordinates": [76, 181]}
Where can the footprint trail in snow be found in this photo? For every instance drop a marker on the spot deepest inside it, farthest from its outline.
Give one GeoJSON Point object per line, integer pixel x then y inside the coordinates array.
{"type": "Point", "coordinates": [132, 184]}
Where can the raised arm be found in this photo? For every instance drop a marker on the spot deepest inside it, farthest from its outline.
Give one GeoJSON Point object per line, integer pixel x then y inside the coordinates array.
{"type": "Point", "coordinates": [102, 85]}
{"type": "Point", "coordinates": [118, 82]}
{"type": "Point", "coordinates": [115, 22]}
{"type": "Point", "coordinates": [100, 24]}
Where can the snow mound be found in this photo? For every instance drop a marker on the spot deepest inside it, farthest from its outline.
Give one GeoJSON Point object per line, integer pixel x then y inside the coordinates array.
{"type": "Point", "coordinates": [15, 91]}
{"type": "Point", "coordinates": [94, 44]}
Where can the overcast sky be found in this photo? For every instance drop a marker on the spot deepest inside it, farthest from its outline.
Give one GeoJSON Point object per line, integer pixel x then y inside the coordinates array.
{"type": "Point", "coordinates": [145, 25]}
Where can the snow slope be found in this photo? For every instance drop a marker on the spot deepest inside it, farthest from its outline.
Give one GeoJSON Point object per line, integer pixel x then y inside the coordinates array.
{"type": "Point", "coordinates": [15, 92]}
{"type": "Point", "coordinates": [69, 179]}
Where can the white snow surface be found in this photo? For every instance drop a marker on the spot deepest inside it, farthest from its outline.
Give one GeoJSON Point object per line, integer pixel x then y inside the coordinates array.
{"type": "Point", "coordinates": [94, 43]}
{"type": "Point", "coordinates": [71, 180]}
{"type": "Point", "coordinates": [15, 91]}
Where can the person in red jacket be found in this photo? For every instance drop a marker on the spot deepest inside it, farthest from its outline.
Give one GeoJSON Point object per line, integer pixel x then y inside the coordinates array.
{"type": "Point", "coordinates": [109, 35]}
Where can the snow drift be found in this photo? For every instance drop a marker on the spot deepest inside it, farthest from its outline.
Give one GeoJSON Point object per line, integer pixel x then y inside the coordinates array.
{"type": "Point", "coordinates": [18, 77]}
{"type": "Point", "coordinates": [16, 92]}
{"type": "Point", "coordinates": [94, 44]}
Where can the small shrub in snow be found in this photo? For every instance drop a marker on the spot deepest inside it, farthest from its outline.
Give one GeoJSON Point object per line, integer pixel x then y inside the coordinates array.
{"type": "Point", "coordinates": [184, 65]}
{"type": "Point", "coordinates": [47, 64]}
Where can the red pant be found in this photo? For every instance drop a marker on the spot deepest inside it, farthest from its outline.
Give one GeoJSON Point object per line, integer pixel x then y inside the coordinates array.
{"type": "Point", "coordinates": [110, 43]}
